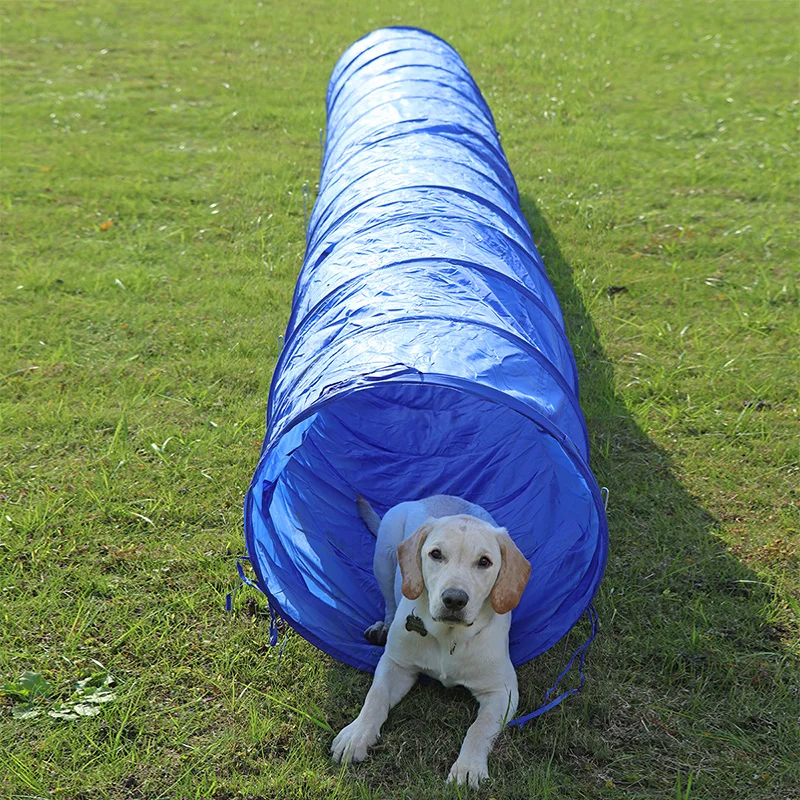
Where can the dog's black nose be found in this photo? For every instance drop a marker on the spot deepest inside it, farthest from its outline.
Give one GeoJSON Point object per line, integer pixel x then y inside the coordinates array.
{"type": "Point", "coordinates": [454, 599]}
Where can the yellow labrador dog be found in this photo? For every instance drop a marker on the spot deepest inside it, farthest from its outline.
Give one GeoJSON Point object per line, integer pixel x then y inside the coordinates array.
{"type": "Point", "coordinates": [447, 615]}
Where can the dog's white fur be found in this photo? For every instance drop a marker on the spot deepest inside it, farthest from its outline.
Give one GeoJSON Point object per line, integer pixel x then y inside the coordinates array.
{"type": "Point", "coordinates": [442, 544]}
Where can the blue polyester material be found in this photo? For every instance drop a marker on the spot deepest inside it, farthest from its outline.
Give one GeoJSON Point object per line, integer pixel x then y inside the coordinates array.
{"type": "Point", "coordinates": [425, 353]}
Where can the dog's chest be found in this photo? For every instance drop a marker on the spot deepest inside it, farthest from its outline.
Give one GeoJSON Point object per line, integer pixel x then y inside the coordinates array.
{"type": "Point", "coordinates": [451, 663]}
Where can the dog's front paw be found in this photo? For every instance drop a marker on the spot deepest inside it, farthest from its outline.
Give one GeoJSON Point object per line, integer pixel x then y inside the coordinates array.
{"type": "Point", "coordinates": [466, 771]}
{"type": "Point", "coordinates": [377, 633]}
{"type": "Point", "coordinates": [352, 742]}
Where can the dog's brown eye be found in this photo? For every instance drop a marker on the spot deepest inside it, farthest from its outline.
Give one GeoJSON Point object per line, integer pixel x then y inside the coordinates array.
{"type": "Point", "coordinates": [436, 554]}
{"type": "Point", "coordinates": [484, 562]}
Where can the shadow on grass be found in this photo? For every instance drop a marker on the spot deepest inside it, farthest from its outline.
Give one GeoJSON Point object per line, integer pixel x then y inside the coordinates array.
{"type": "Point", "coordinates": [686, 674]}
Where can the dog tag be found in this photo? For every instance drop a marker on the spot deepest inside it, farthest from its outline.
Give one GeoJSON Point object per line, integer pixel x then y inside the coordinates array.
{"type": "Point", "coordinates": [414, 623]}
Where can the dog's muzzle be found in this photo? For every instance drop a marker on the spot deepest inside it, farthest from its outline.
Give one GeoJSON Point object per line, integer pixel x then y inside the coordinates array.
{"type": "Point", "coordinates": [453, 602]}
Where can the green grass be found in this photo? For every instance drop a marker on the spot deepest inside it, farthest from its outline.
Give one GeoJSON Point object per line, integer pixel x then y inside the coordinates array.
{"type": "Point", "coordinates": [655, 148]}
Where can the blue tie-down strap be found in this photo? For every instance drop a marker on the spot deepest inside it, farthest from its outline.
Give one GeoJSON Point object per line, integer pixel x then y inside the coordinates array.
{"type": "Point", "coordinates": [273, 613]}
{"type": "Point", "coordinates": [581, 651]}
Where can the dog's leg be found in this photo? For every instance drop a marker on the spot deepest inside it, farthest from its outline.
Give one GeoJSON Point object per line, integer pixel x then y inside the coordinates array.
{"type": "Point", "coordinates": [384, 565]}
{"type": "Point", "coordinates": [496, 708]}
{"type": "Point", "coordinates": [392, 683]}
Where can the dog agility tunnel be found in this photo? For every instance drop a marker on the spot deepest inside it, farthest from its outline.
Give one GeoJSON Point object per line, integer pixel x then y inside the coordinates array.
{"type": "Point", "coordinates": [425, 353]}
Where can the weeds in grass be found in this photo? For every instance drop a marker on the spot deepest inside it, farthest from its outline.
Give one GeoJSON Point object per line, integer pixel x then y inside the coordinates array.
{"type": "Point", "coordinates": [682, 793]}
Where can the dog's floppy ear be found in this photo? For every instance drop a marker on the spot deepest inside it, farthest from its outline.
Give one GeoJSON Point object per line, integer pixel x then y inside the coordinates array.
{"type": "Point", "coordinates": [514, 573]}
{"type": "Point", "coordinates": [409, 556]}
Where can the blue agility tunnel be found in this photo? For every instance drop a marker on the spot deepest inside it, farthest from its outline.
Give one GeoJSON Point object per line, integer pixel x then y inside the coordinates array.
{"type": "Point", "coordinates": [425, 353]}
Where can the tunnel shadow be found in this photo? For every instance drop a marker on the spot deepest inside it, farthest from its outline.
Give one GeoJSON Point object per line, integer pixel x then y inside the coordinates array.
{"type": "Point", "coordinates": [676, 611]}
{"type": "Point", "coordinates": [659, 534]}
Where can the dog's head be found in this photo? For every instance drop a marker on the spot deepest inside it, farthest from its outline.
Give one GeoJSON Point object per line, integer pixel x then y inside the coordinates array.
{"type": "Point", "coordinates": [462, 562]}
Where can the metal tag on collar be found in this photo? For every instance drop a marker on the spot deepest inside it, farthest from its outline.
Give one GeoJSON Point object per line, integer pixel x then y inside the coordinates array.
{"type": "Point", "coordinates": [415, 624]}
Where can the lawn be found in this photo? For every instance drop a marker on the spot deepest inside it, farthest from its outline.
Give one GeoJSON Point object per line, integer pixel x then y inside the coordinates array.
{"type": "Point", "coordinates": [153, 163]}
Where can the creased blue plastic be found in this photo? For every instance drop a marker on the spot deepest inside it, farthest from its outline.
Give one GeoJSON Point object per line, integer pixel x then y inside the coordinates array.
{"type": "Point", "coordinates": [425, 353]}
